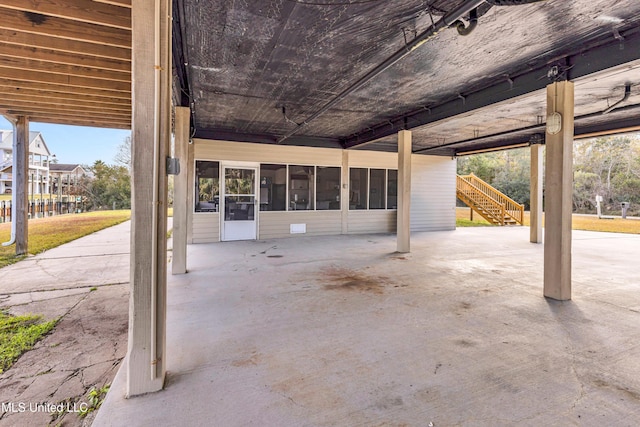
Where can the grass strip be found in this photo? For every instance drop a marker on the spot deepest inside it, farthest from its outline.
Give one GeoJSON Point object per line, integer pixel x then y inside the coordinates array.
{"type": "Point", "coordinates": [19, 334]}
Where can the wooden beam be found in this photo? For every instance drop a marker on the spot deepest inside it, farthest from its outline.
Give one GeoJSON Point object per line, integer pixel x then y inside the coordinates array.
{"type": "Point", "coordinates": [71, 116]}
{"type": "Point", "coordinates": [20, 182]}
{"type": "Point", "coordinates": [76, 10]}
{"type": "Point", "coordinates": [70, 59]}
{"type": "Point", "coordinates": [74, 91]}
{"type": "Point", "coordinates": [65, 70]}
{"type": "Point", "coordinates": [97, 123]}
{"type": "Point", "coordinates": [122, 3]}
{"type": "Point", "coordinates": [46, 96]}
{"type": "Point", "coordinates": [64, 45]}
{"type": "Point", "coordinates": [71, 110]}
{"type": "Point", "coordinates": [65, 29]}
{"type": "Point", "coordinates": [61, 79]}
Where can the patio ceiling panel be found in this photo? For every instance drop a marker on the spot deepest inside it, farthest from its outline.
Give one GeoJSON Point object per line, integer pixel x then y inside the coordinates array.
{"type": "Point", "coordinates": [66, 61]}
{"type": "Point", "coordinates": [256, 71]}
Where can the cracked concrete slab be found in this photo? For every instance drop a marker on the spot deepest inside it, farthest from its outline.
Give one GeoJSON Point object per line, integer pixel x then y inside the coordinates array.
{"type": "Point", "coordinates": [88, 343]}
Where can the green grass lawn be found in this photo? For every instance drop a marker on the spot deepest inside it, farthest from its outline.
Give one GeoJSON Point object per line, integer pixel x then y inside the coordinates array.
{"type": "Point", "coordinates": [47, 233]}
{"type": "Point", "coordinates": [18, 334]}
{"type": "Point", "coordinates": [579, 222]}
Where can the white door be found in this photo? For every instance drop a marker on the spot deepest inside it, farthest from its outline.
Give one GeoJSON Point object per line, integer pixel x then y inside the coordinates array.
{"type": "Point", "coordinates": [239, 203]}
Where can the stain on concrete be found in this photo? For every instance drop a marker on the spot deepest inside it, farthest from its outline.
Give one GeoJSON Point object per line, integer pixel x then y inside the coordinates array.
{"type": "Point", "coordinates": [389, 402]}
{"type": "Point", "coordinates": [251, 361]}
{"type": "Point", "coordinates": [275, 256]}
{"type": "Point", "coordinates": [352, 281]}
{"type": "Point", "coordinates": [633, 394]}
{"type": "Point", "coordinates": [465, 343]}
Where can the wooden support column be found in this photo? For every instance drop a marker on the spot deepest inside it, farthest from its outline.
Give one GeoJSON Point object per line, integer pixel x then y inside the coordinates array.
{"type": "Point", "coordinates": [344, 192]}
{"type": "Point", "coordinates": [404, 191]}
{"type": "Point", "coordinates": [191, 189]}
{"type": "Point", "coordinates": [21, 184]}
{"type": "Point", "coordinates": [151, 123]}
{"type": "Point", "coordinates": [558, 194]}
{"type": "Point", "coordinates": [180, 188]}
{"type": "Point", "coordinates": [535, 206]}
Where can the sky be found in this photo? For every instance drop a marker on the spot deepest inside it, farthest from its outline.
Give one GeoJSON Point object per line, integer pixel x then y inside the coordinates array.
{"type": "Point", "coordinates": [77, 144]}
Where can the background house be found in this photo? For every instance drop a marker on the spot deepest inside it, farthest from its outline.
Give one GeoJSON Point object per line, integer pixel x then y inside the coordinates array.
{"type": "Point", "coordinates": [64, 178]}
{"type": "Point", "coordinates": [39, 162]}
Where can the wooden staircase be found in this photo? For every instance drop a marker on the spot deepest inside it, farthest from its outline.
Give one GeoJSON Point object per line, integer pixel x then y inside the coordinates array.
{"type": "Point", "coordinates": [490, 203]}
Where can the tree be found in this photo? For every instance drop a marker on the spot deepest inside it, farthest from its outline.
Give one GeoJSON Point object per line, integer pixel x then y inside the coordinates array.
{"type": "Point", "coordinates": [123, 156]}
{"type": "Point", "coordinates": [109, 186]}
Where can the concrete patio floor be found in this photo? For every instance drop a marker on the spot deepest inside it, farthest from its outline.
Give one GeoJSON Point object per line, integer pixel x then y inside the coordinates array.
{"type": "Point", "coordinates": [343, 331]}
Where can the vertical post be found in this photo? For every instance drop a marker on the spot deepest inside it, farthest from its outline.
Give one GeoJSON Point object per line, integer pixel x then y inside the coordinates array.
{"type": "Point", "coordinates": [180, 185]}
{"type": "Point", "coordinates": [190, 191]}
{"type": "Point", "coordinates": [558, 194]}
{"type": "Point", "coordinates": [20, 184]}
{"type": "Point", "coordinates": [535, 196]}
{"type": "Point", "coordinates": [404, 191]}
{"type": "Point", "coordinates": [151, 71]}
{"type": "Point", "coordinates": [344, 192]}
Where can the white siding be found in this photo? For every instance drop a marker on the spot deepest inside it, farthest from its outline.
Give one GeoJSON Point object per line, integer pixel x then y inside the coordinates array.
{"type": "Point", "coordinates": [372, 221]}
{"type": "Point", "coordinates": [433, 193]}
{"type": "Point", "coordinates": [266, 153]}
{"type": "Point", "coordinates": [432, 200]}
{"type": "Point", "coordinates": [372, 159]}
{"type": "Point", "coordinates": [206, 227]}
{"type": "Point", "coordinates": [318, 223]}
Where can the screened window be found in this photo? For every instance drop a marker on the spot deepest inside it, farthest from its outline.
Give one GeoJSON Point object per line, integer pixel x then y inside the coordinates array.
{"type": "Point", "coordinates": [273, 187]}
{"type": "Point", "coordinates": [301, 188]}
{"type": "Point", "coordinates": [373, 188]}
{"type": "Point", "coordinates": [392, 189]}
{"type": "Point", "coordinates": [377, 187]}
{"type": "Point", "coordinates": [358, 188]}
{"type": "Point", "coordinates": [328, 188]}
{"type": "Point", "coordinates": [207, 186]}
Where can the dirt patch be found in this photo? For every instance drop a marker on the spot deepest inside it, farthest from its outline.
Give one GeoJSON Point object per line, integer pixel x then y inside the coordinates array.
{"type": "Point", "coordinates": [351, 281]}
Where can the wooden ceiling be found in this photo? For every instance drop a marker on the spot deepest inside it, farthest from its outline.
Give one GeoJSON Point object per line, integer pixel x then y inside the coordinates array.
{"type": "Point", "coordinates": [66, 61]}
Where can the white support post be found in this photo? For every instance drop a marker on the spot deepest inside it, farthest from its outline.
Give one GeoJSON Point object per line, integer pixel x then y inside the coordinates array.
{"type": "Point", "coordinates": [344, 192]}
{"type": "Point", "coordinates": [151, 126]}
{"type": "Point", "coordinates": [535, 205]}
{"type": "Point", "coordinates": [191, 183]}
{"type": "Point", "coordinates": [180, 188]}
{"type": "Point", "coordinates": [404, 191]}
{"type": "Point", "coordinates": [558, 193]}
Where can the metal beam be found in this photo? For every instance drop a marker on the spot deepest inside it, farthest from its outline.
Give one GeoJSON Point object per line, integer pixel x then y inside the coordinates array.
{"type": "Point", "coordinates": [606, 54]}
{"type": "Point", "coordinates": [305, 141]}
{"type": "Point", "coordinates": [521, 135]}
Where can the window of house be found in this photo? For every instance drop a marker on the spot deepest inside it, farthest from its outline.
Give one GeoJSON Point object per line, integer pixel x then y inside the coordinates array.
{"type": "Point", "coordinates": [328, 188]}
{"type": "Point", "coordinates": [392, 189]}
{"type": "Point", "coordinates": [358, 188]}
{"type": "Point", "coordinates": [301, 188]}
{"type": "Point", "coordinates": [273, 187]}
{"type": "Point", "coordinates": [377, 187]}
{"type": "Point", "coordinates": [207, 186]}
